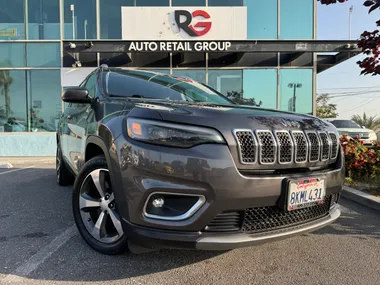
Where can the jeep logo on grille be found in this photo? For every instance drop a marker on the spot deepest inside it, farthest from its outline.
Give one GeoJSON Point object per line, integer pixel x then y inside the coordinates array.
{"type": "Point", "coordinates": [288, 123]}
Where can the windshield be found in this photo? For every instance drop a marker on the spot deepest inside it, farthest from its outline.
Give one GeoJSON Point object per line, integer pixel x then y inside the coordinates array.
{"type": "Point", "coordinates": [345, 124]}
{"type": "Point", "coordinates": [145, 84]}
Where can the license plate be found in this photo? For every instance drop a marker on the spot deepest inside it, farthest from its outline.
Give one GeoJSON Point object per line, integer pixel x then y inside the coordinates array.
{"type": "Point", "coordinates": [306, 193]}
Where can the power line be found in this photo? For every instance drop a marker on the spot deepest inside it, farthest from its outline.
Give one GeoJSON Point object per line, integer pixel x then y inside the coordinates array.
{"type": "Point", "coordinates": [359, 105]}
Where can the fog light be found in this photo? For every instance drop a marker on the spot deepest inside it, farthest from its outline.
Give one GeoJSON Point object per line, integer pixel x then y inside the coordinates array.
{"type": "Point", "coordinates": [158, 203]}
{"type": "Point", "coordinates": [172, 207]}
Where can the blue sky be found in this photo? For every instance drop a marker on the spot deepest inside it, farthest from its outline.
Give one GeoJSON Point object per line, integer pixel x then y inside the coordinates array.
{"type": "Point", "coordinates": [345, 77]}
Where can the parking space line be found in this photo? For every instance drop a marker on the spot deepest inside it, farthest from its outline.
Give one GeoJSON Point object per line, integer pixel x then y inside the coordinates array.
{"type": "Point", "coordinates": [37, 259]}
{"type": "Point", "coordinates": [13, 170]}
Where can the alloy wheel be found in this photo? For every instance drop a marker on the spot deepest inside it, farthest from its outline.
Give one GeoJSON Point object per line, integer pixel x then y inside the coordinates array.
{"type": "Point", "coordinates": [97, 207]}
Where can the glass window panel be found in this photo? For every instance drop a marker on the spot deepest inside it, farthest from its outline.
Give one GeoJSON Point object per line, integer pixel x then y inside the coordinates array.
{"type": "Point", "coordinates": [189, 59]}
{"type": "Point", "coordinates": [261, 85]}
{"type": "Point", "coordinates": [188, 3]}
{"type": "Point", "coordinates": [227, 82]}
{"type": "Point", "coordinates": [197, 75]}
{"type": "Point", "coordinates": [110, 17]}
{"type": "Point", "coordinates": [13, 101]}
{"type": "Point", "coordinates": [43, 20]}
{"type": "Point", "coordinates": [143, 59]}
{"type": "Point", "coordinates": [43, 55]}
{"type": "Point", "coordinates": [296, 84]}
{"type": "Point", "coordinates": [262, 19]}
{"type": "Point", "coordinates": [12, 20]}
{"type": "Point", "coordinates": [297, 19]}
{"type": "Point", "coordinates": [152, 3]}
{"type": "Point", "coordinates": [242, 59]}
{"type": "Point", "coordinates": [82, 15]}
{"type": "Point", "coordinates": [225, 2]}
{"type": "Point", "coordinates": [12, 55]}
{"type": "Point", "coordinates": [45, 100]}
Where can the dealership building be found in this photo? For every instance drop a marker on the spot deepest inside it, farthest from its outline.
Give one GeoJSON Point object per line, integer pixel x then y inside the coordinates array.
{"type": "Point", "coordinates": [261, 50]}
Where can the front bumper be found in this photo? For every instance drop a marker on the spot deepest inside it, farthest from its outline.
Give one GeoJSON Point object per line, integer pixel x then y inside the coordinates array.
{"type": "Point", "coordinates": [156, 239]}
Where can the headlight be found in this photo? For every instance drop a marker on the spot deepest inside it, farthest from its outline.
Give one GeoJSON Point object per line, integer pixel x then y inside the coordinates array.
{"type": "Point", "coordinates": [171, 134]}
{"type": "Point", "coordinates": [372, 135]}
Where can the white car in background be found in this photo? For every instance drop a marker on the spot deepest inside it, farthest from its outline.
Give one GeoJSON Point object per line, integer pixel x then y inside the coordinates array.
{"type": "Point", "coordinates": [352, 129]}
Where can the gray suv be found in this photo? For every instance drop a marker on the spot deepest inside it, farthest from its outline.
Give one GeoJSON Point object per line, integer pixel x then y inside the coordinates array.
{"type": "Point", "coordinates": [165, 162]}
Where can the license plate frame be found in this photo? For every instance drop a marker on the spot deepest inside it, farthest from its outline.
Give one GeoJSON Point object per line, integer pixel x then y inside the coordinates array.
{"type": "Point", "coordinates": [308, 195]}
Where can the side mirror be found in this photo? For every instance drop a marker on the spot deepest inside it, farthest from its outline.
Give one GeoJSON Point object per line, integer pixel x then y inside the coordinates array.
{"type": "Point", "coordinates": [76, 95]}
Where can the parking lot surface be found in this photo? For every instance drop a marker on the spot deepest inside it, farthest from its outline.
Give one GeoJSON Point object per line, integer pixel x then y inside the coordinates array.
{"type": "Point", "coordinates": [39, 244]}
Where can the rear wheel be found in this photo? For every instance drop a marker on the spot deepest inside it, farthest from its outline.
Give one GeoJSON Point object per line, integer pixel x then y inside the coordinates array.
{"type": "Point", "coordinates": [94, 208]}
{"type": "Point", "coordinates": [64, 176]}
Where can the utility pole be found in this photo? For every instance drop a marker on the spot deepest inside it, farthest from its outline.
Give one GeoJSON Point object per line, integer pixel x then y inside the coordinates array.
{"type": "Point", "coordinates": [350, 22]}
{"type": "Point", "coordinates": [72, 8]}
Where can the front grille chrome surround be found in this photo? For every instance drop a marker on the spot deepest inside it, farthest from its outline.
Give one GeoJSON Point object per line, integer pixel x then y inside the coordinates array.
{"type": "Point", "coordinates": [301, 146]}
{"type": "Point", "coordinates": [285, 147]}
{"type": "Point", "coordinates": [325, 146]}
{"type": "Point", "coordinates": [247, 146]}
{"type": "Point", "coordinates": [334, 145]}
{"type": "Point", "coordinates": [267, 147]}
{"type": "Point", "coordinates": [314, 146]}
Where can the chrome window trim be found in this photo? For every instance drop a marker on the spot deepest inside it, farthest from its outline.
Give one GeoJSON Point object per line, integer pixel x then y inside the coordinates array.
{"type": "Point", "coordinates": [322, 145]}
{"type": "Point", "coordinates": [201, 201]}
{"type": "Point", "coordinates": [257, 132]}
{"type": "Point", "coordinates": [295, 146]}
{"type": "Point", "coordinates": [239, 146]}
{"type": "Point", "coordinates": [337, 145]}
{"type": "Point", "coordinates": [279, 147]}
{"type": "Point", "coordinates": [310, 146]}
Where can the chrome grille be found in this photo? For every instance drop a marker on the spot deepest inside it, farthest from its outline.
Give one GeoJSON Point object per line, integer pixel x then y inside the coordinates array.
{"type": "Point", "coordinates": [285, 147]}
{"type": "Point", "coordinates": [325, 153]}
{"type": "Point", "coordinates": [334, 145]}
{"type": "Point", "coordinates": [267, 147]}
{"type": "Point", "coordinates": [314, 146]}
{"type": "Point", "coordinates": [247, 145]}
{"type": "Point", "coordinates": [300, 143]}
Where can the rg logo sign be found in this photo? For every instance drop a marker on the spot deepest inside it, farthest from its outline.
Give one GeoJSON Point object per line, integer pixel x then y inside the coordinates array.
{"type": "Point", "coordinates": [187, 27]}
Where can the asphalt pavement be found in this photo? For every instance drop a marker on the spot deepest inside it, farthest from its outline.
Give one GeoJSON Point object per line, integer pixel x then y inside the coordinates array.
{"type": "Point", "coordinates": [40, 245]}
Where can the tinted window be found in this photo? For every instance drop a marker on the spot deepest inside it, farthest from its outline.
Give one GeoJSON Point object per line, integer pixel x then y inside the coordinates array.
{"type": "Point", "coordinates": [297, 17]}
{"type": "Point", "coordinates": [43, 55]}
{"type": "Point", "coordinates": [43, 19]}
{"type": "Point", "coordinates": [91, 85]}
{"type": "Point", "coordinates": [12, 55]}
{"type": "Point", "coordinates": [12, 23]}
{"type": "Point", "coordinates": [345, 124]}
{"type": "Point", "coordinates": [140, 84]}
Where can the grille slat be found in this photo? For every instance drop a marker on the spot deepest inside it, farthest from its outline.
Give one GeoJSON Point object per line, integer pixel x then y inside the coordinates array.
{"type": "Point", "coordinates": [285, 147]}
{"type": "Point", "coordinates": [301, 147]}
{"type": "Point", "coordinates": [334, 146]}
{"type": "Point", "coordinates": [247, 145]}
{"type": "Point", "coordinates": [267, 147]}
{"type": "Point", "coordinates": [325, 153]}
{"type": "Point", "coordinates": [314, 146]}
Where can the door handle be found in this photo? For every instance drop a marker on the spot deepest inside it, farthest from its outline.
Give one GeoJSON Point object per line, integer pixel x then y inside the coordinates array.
{"type": "Point", "coordinates": [69, 117]}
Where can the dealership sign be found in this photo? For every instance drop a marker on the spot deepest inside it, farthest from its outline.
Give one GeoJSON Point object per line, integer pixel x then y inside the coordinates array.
{"type": "Point", "coordinates": [184, 23]}
{"type": "Point", "coordinates": [178, 46]}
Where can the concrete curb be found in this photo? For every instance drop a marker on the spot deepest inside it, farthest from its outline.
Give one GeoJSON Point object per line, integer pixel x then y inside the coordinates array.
{"type": "Point", "coordinates": [362, 198]}
{"type": "Point", "coordinates": [27, 160]}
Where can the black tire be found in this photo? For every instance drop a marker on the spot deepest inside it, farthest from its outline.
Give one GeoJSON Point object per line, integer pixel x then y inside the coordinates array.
{"type": "Point", "coordinates": [64, 176]}
{"type": "Point", "coordinates": [86, 218]}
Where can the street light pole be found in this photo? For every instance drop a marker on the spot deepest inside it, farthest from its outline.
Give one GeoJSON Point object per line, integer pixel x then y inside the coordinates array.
{"type": "Point", "coordinates": [72, 8]}
{"type": "Point", "coordinates": [350, 22]}
{"type": "Point", "coordinates": [294, 86]}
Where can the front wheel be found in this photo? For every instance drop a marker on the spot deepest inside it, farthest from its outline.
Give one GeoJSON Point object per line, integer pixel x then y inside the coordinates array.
{"type": "Point", "coordinates": [94, 208]}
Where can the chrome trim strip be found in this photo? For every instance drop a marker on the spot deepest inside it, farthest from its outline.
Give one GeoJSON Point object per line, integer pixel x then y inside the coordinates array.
{"type": "Point", "coordinates": [239, 146]}
{"type": "Point", "coordinates": [257, 132]}
{"type": "Point", "coordinates": [279, 147]}
{"type": "Point", "coordinates": [295, 146]}
{"type": "Point", "coordinates": [310, 145]}
{"type": "Point", "coordinates": [188, 214]}
{"type": "Point", "coordinates": [337, 145]}
{"type": "Point", "coordinates": [322, 145]}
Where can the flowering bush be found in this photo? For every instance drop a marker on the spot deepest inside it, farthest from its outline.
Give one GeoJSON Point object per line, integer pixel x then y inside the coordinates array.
{"type": "Point", "coordinates": [362, 163]}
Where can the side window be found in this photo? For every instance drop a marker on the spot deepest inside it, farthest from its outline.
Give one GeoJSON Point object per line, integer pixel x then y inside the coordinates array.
{"type": "Point", "coordinates": [91, 85]}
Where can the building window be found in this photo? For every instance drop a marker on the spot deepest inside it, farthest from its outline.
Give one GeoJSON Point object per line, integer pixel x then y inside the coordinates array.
{"type": "Point", "coordinates": [45, 105]}
{"type": "Point", "coordinates": [225, 2]}
{"type": "Point", "coordinates": [152, 3]}
{"type": "Point", "coordinates": [12, 55]}
{"type": "Point", "coordinates": [188, 3]}
{"type": "Point", "coordinates": [242, 59]}
{"type": "Point", "coordinates": [262, 19]}
{"type": "Point", "coordinates": [261, 85]}
{"type": "Point", "coordinates": [12, 101]}
{"type": "Point", "coordinates": [43, 20]}
{"type": "Point", "coordinates": [227, 82]}
{"type": "Point", "coordinates": [297, 18]}
{"type": "Point", "coordinates": [43, 55]}
{"type": "Point", "coordinates": [12, 20]}
{"type": "Point", "coordinates": [296, 94]}
{"type": "Point", "coordinates": [197, 75]}
{"type": "Point", "coordinates": [142, 59]}
{"type": "Point", "coordinates": [79, 19]}
{"type": "Point", "coordinates": [110, 18]}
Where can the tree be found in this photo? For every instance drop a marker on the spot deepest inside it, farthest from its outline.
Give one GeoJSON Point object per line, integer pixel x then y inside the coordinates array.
{"type": "Point", "coordinates": [5, 82]}
{"type": "Point", "coordinates": [237, 97]}
{"type": "Point", "coordinates": [369, 42]}
{"type": "Point", "coordinates": [324, 108]}
{"type": "Point", "coordinates": [370, 122]}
